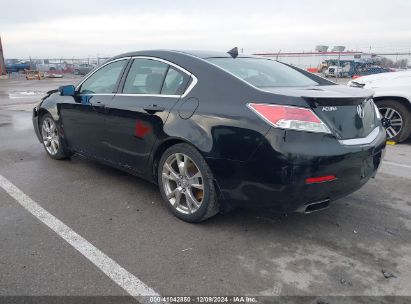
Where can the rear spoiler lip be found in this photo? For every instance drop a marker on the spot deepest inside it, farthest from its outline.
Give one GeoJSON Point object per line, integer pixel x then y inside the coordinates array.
{"type": "Point", "coordinates": [333, 91]}
{"type": "Point", "coordinates": [335, 101]}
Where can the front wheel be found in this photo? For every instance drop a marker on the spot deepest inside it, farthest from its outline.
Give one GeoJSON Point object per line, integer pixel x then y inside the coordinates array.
{"type": "Point", "coordinates": [52, 141]}
{"type": "Point", "coordinates": [186, 184]}
{"type": "Point", "coordinates": [396, 119]}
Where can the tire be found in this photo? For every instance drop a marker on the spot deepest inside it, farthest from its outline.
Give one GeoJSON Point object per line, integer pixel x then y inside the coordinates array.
{"type": "Point", "coordinates": [76, 72]}
{"type": "Point", "coordinates": [400, 111]}
{"type": "Point", "coordinates": [54, 144]}
{"type": "Point", "coordinates": [194, 205]}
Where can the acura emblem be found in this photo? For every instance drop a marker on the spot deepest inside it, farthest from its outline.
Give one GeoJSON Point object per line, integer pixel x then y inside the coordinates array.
{"type": "Point", "coordinates": [360, 111]}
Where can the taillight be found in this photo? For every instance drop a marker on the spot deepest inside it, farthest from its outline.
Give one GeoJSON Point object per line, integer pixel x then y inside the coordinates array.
{"type": "Point", "coordinates": [320, 179]}
{"type": "Point", "coordinates": [289, 117]}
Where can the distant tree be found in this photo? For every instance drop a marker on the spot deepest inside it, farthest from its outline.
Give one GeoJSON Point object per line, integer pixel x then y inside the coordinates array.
{"type": "Point", "coordinates": [388, 63]}
{"type": "Point", "coordinates": [402, 63]}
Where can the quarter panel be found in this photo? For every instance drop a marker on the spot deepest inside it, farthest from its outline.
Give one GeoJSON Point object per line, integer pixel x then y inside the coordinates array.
{"type": "Point", "coordinates": [222, 126]}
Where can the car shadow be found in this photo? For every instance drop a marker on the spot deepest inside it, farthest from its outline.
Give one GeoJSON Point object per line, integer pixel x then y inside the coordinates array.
{"type": "Point", "coordinates": [347, 214]}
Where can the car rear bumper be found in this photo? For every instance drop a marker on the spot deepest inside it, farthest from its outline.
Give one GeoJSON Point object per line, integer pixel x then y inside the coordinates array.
{"type": "Point", "coordinates": [275, 176]}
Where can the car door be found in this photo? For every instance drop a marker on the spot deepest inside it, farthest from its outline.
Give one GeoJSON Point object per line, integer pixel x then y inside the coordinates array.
{"type": "Point", "coordinates": [83, 115]}
{"type": "Point", "coordinates": [136, 115]}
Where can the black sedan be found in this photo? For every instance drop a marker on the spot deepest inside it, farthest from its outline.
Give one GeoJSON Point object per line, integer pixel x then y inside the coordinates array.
{"type": "Point", "coordinates": [217, 130]}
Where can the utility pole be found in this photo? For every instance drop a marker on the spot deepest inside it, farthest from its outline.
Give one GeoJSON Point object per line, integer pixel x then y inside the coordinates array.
{"type": "Point", "coordinates": [2, 64]}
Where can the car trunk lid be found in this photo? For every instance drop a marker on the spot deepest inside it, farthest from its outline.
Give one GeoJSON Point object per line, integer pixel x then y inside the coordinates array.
{"type": "Point", "coordinates": [347, 117]}
{"type": "Point", "coordinates": [348, 112]}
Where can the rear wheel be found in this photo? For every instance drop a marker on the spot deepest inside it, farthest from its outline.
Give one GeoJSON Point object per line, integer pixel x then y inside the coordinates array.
{"type": "Point", "coordinates": [396, 119]}
{"type": "Point", "coordinates": [186, 184]}
{"type": "Point", "coordinates": [52, 141]}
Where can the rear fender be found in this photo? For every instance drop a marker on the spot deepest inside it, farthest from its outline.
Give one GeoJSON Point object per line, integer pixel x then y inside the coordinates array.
{"type": "Point", "coordinates": [214, 139]}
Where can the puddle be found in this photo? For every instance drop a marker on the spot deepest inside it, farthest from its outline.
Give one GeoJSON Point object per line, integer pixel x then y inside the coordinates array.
{"type": "Point", "coordinates": [22, 122]}
{"type": "Point", "coordinates": [5, 120]}
{"type": "Point", "coordinates": [16, 121]}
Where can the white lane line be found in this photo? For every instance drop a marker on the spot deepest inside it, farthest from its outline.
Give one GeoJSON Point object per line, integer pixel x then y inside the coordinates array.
{"type": "Point", "coordinates": [114, 271]}
{"type": "Point", "coordinates": [396, 164]}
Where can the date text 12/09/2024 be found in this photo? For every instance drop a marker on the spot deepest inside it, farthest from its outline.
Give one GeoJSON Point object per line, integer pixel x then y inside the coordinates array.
{"type": "Point", "coordinates": [203, 299]}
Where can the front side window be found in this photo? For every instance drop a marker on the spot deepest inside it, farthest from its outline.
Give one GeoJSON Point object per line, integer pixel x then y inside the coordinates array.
{"type": "Point", "coordinates": [146, 76]}
{"type": "Point", "coordinates": [104, 80]}
{"type": "Point", "coordinates": [263, 73]}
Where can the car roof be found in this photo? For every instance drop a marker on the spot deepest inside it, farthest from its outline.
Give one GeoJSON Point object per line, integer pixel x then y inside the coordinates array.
{"type": "Point", "coordinates": [211, 54]}
{"type": "Point", "coordinates": [193, 53]}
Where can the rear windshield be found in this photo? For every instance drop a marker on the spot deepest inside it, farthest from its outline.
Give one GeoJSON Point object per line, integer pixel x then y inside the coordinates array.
{"type": "Point", "coordinates": [264, 73]}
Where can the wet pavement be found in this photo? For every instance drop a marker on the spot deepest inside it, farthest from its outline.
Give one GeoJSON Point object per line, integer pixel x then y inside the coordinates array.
{"type": "Point", "coordinates": [18, 91]}
{"type": "Point", "coordinates": [345, 250]}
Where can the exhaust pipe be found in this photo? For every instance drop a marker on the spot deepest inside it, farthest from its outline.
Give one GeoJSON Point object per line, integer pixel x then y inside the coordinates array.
{"type": "Point", "coordinates": [313, 207]}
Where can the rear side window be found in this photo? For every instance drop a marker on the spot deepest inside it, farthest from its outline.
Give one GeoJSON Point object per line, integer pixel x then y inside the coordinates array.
{"type": "Point", "coordinates": [104, 80]}
{"type": "Point", "coordinates": [264, 73]}
{"type": "Point", "coordinates": [175, 82]}
{"type": "Point", "coordinates": [147, 76]}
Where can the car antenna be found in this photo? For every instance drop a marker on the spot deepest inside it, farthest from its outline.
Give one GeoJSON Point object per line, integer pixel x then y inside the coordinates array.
{"type": "Point", "coordinates": [233, 52]}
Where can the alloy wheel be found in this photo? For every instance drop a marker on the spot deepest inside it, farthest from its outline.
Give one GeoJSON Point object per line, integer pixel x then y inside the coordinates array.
{"type": "Point", "coordinates": [183, 183]}
{"type": "Point", "coordinates": [50, 136]}
{"type": "Point", "coordinates": [392, 121]}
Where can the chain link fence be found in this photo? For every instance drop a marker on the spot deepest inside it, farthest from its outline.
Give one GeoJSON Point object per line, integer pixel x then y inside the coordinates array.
{"type": "Point", "coordinates": [312, 61]}
{"type": "Point", "coordinates": [53, 66]}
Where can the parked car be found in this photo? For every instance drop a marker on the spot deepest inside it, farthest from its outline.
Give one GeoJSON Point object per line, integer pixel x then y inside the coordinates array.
{"type": "Point", "coordinates": [15, 65]}
{"type": "Point", "coordinates": [82, 69]}
{"type": "Point", "coordinates": [45, 65]}
{"type": "Point", "coordinates": [392, 95]}
{"type": "Point", "coordinates": [215, 130]}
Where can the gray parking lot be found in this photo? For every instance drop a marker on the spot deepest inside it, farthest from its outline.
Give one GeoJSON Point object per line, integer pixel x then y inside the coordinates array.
{"type": "Point", "coordinates": [361, 246]}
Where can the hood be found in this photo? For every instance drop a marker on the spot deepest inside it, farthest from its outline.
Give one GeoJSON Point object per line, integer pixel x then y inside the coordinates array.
{"type": "Point", "coordinates": [381, 77]}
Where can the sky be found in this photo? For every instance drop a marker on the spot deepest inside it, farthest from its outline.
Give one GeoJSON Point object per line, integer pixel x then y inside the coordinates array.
{"type": "Point", "coordinates": [75, 28]}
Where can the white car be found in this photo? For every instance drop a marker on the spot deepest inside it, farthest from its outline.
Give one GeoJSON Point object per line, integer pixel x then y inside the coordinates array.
{"type": "Point", "coordinates": [392, 95]}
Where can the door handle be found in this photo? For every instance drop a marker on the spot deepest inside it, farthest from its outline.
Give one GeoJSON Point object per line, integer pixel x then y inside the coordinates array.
{"type": "Point", "coordinates": [152, 109]}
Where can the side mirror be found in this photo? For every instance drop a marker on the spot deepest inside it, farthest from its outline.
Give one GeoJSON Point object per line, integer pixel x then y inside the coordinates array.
{"type": "Point", "coordinates": [67, 90]}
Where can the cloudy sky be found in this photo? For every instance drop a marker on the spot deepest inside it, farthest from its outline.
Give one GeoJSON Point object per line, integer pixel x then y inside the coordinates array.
{"type": "Point", "coordinates": [82, 28]}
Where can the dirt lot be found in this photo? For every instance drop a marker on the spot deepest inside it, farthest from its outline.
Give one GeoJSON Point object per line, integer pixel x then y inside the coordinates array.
{"type": "Point", "coordinates": [360, 246]}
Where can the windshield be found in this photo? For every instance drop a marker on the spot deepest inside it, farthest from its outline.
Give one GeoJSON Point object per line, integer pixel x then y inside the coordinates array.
{"type": "Point", "coordinates": [263, 73]}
